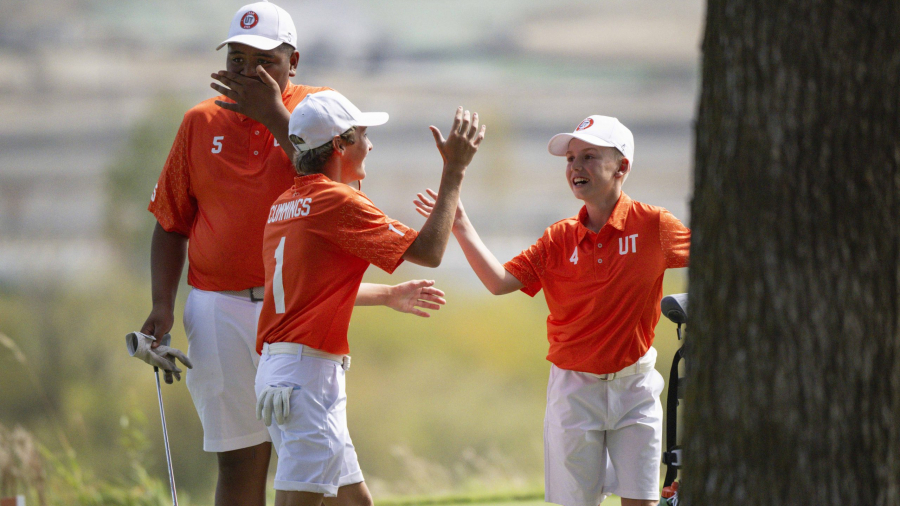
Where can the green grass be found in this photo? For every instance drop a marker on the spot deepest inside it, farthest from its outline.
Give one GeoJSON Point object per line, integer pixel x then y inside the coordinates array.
{"type": "Point", "coordinates": [509, 499]}
{"type": "Point", "coordinates": [451, 404]}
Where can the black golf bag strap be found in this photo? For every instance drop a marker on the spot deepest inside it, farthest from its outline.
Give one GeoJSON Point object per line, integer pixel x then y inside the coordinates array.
{"type": "Point", "coordinates": [672, 455]}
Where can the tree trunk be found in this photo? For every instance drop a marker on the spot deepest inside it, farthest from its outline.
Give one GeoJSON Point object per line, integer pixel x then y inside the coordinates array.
{"type": "Point", "coordinates": [793, 390]}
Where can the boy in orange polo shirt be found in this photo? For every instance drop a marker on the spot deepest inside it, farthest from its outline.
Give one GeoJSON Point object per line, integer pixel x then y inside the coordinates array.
{"type": "Point", "coordinates": [320, 237]}
{"type": "Point", "coordinates": [211, 202]}
{"type": "Point", "coordinates": [601, 272]}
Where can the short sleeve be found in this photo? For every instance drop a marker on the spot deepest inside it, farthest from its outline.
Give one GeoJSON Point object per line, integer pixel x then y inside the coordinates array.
{"type": "Point", "coordinates": [172, 201]}
{"type": "Point", "coordinates": [675, 240]}
{"type": "Point", "coordinates": [365, 232]}
{"type": "Point", "coordinates": [529, 265]}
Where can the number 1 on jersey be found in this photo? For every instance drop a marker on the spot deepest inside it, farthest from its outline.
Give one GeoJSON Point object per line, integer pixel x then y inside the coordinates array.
{"type": "Point", "coordinates": [277, 282]}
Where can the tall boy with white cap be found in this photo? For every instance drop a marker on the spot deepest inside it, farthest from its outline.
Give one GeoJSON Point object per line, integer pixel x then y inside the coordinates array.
{"type": "Point", "coordinates": [601, 272]}
{"type": "Point", "coordinates": [320, 238]}
{"type": "Point", "coordinates": [211, 203]}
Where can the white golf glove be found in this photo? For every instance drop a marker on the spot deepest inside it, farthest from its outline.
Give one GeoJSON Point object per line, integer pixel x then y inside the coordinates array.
{"type": "Point", "coordinates": [274, 399]}
{"type": "Point", "coordinates": [163, 356]}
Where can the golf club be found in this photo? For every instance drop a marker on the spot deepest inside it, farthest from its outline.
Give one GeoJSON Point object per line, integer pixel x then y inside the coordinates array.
{"type": "Point", "coordinates": [162, 416]}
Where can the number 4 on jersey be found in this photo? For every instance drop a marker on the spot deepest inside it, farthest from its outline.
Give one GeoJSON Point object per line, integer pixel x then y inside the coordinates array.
{"type": "Point", "coordinates": [574, 257]}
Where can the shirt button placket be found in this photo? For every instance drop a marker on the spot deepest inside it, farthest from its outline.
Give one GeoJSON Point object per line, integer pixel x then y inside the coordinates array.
{"type": "Point", "coordinates": [599, 264]}
{"type": "Point", "coordinates": [254, 145]}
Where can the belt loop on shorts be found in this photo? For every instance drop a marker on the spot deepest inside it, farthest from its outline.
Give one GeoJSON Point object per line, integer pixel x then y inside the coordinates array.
{"type": "Point", "coordinates": [305, 351]}
{"type": "Point", "coordinates": [254, 294]}
{"type": "Point", "coordinates": [631, 370]}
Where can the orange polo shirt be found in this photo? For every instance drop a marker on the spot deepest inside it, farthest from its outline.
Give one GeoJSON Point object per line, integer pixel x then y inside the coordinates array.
{"type": "Point", "coordinates": [223, 172]}
{"type": "Point", "coordinates": [603, 289]}
{"type": "Point", "coordinates": [319, 240]}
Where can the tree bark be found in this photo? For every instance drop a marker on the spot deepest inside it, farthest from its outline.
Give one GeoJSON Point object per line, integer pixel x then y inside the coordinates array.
{"type": "Point", "coordinates": [793, 389]}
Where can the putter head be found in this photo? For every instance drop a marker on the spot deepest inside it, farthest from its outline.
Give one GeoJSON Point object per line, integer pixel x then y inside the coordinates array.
{"type": "Point", "coordinates": [674, 307]}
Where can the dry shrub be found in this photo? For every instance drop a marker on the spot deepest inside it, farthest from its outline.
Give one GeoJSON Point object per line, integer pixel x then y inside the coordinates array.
{"type": "Point", "coordinates": [21, 464]}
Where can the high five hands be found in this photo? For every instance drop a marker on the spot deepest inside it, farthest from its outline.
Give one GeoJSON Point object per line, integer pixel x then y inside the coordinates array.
{"type": "Point", "coordinates": [425, 204]}
{"type": "Point", "coordinates": [461, 144]}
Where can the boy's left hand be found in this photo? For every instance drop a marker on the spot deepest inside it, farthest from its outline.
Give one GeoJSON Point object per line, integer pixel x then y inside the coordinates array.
{"type": "Point", "coordinates": [420, 292]}
{"type": "Point", "coordinates": [258, 99]}
{"type": "Point", "coordinates": [425, 204]}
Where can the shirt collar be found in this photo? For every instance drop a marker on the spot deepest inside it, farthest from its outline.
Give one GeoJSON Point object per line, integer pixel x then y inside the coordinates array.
{"type": "Point", "coordinates": [616, 220]}
{"type": "Point", "coordinates": [285, 97]}
{"type": "Point", "coordinates": [620, 213]}
{"type": "Point", "coordinates": [309, 179]}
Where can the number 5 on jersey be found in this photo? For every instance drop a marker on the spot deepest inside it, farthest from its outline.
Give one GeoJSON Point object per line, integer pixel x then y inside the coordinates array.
{"type": "Point", "coordinates": [277, 282]}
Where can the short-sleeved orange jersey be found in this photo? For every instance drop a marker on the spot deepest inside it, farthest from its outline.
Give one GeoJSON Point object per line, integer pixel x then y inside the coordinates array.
{"type": "Point", "coordinates": [319, 240]}
{"type": "Point", "coordinates": [603, 289]}
{"type": "Point", "coordinates": [223, 172]}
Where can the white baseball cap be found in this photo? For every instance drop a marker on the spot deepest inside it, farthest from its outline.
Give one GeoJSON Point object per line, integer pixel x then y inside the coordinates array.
{"type": "Point", "coordinates": [322, 115]}
{"type": "Point", "coordinates": [599, 131]}
{"type": "Point", "coordinates": [262, 25]}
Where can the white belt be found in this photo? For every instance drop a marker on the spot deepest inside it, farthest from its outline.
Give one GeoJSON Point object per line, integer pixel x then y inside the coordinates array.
{"type": "Point", "coordinates": [295, 348]}
{"type": "Point", "coordinates": [635, 368]}
{"type": "Point", "coordinates": [254, 294]}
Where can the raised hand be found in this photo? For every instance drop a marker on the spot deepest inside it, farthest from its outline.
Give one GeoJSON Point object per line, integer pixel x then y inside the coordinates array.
{"type": "Point", "coordinates": [420, 292]}
{"type": "Point", "coordinates": [461, 144]}
{"type": "Point", "coordinates": [425, 204]}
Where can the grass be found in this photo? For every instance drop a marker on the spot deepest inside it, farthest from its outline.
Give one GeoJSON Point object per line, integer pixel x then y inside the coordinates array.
{"type": "Point", "coordinates": [448, 408]}
{"type": "Point", "coordinates": [508, 499]}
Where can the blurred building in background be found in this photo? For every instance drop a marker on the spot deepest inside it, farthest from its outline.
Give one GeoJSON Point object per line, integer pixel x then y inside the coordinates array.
{"type": "Point", "coordinates": [80, 74]}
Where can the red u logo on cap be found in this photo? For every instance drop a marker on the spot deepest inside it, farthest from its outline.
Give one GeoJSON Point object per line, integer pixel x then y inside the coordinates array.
{"type": "Point", "coordinates": [249, 20]}
{"type": "Point", "coordinates": [585, 124]}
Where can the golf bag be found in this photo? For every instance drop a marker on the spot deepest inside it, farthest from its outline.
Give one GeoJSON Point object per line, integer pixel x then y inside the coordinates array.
{"type": "Point", "coordinates": [674, 307]}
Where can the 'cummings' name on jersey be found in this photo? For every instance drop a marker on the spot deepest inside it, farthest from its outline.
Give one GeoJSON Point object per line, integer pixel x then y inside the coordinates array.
{"type": "Point", "coordinates": [288, 210]}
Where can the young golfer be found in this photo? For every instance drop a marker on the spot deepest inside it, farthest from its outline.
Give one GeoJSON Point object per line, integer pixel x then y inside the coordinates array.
{"type": "Point", "coordinates": [211, 203]}
{"type": "Point", "coordinates": [320, 237]}
{"type": "Point", "coordinates": [602, 273]}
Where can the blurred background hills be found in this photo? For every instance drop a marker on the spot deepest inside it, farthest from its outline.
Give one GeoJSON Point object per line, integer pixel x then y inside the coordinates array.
{"type": "Point", "coordinates": [81, 77]}
{"type": "Point", "coordinates": [91, 95]}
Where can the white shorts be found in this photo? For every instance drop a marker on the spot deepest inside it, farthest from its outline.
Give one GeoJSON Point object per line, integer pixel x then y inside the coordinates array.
{"type": "Point", "coordinates": [315, 453]}
{"type": "Point", "coordinates": [602, 437]}
{"type": "Point", "coordinates": [221, 332]}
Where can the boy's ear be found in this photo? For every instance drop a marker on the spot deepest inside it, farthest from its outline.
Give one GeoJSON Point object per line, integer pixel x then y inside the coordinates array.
{"type": "Point", "coordinates": [337, 143]}
{"type": "Point", "coordinates": [294, 61]}
{"type": "Point", "coordinates": [624, 167]}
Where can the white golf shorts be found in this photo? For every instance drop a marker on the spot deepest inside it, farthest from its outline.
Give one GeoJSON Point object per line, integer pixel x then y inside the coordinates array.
{"type": "Point", "coordinates": [221, 332]}
{"type": "Point", "coordinates": [315, 453]}
{"type": "Point", "coordinates": [602, 437]}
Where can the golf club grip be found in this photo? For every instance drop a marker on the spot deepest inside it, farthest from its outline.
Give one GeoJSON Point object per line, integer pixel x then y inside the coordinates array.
{"type": "Point", "coordinates": [162, 416]}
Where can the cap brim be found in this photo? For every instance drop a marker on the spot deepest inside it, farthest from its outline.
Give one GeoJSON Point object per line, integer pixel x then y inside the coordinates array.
{"type": "Point", "coordinates": [259, 42]}
{"type": "Point", "coordinates": [559, 144]}
{"type": "Point", "coordinates": [368, 119]}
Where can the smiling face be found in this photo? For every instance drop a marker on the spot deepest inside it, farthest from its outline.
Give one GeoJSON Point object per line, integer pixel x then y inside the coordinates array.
{"type": "Point", "coordinates": [280, 63]}
{"type": "Point", "coordinates": [353, 157]}
{"type": "Point", "coordinates": [595, 173]}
